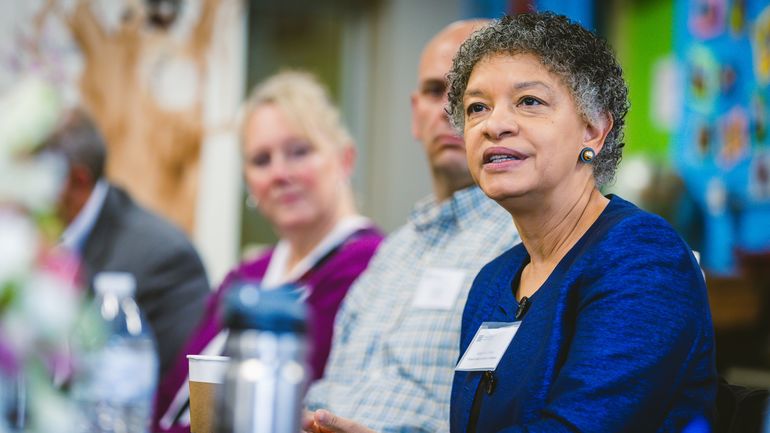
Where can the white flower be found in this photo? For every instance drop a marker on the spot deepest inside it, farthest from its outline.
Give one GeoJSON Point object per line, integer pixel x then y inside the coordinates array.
{"type": "Point", "coordinates": [54, 305]}
{"type": "Point", "coordinates": [34, 182]}
{"type": "Point", "coordinates": [39, 303]}
{"type": "Point", "coordinates": [30, 113]}
{"type": "Point", "coordinates": [18, 245]}
{"type": "Point", "coordinates": [56, 413]}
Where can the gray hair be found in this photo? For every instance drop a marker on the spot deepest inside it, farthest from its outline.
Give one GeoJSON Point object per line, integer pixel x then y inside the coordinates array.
{"type": "Point", "coordinates": [585, 63]}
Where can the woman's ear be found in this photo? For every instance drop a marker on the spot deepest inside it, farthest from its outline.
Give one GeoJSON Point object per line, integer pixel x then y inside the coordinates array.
{"type": "Point", "coordinates": [596, 131]}
{"type": "Point", "coordinates": [348, 160]}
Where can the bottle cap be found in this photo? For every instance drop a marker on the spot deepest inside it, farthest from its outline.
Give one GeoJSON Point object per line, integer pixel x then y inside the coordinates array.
{"type": "Point", "coordinates": [279, 310]}
{"type": "Point", "coordinates": [117, 283]}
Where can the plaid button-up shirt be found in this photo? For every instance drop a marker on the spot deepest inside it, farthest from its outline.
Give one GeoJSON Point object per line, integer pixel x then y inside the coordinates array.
{"type": "Point", "coordinates": [391, 364]}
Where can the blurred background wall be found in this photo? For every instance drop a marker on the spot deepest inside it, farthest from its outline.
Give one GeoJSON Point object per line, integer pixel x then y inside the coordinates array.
{"type": "Point", "coordinates": [367, 52]}
{"type": "Point", "coordinates": [165, 93]}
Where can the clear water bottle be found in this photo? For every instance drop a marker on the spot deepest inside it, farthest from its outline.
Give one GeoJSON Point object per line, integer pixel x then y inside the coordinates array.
{"type": "Point", "coordinates": [267, 376]}
{"type": "Point", "coordinates": [116, 378]}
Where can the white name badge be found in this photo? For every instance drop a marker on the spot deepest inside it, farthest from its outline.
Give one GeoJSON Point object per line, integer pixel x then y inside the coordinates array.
{"type": "Point", "coordinates": [438, 288]}
{"type": "Point", "coordinates": [488, 346]}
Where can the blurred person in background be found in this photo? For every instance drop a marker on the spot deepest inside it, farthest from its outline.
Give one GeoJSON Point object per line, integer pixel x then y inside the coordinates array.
{"type": "Point", "coordinates": [110, 232]}
{"type": "Point", "coordinates": [297, 160]}
{"type": "Point", "coordinates": [609, 321]}
{"type": "Point", "coordinates": [396, 340]}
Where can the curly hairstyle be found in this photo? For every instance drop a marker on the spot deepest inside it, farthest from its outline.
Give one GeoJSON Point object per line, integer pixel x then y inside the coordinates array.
{"type": "Point", "coordinates": [583, 61]}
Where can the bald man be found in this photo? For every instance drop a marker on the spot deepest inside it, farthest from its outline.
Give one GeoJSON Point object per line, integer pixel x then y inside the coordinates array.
{"type": "Point", "coordinates": [396, 338]}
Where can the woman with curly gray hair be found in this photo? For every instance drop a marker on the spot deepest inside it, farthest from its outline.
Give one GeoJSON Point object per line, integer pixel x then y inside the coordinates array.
{"type": "Point", "coordinates": [599, 321]}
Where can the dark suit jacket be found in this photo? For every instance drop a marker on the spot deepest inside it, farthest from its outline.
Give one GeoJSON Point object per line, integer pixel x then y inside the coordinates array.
{"type": "Point", "coordinates": [171, 282]}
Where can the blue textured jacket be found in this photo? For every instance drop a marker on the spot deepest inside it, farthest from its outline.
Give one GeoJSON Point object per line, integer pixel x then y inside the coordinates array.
{"type": "Point", "coordinates": [618, 339]}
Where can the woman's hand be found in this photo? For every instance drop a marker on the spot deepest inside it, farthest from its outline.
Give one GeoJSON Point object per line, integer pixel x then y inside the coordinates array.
{"type": "Point", "coordinates": [323, 421]}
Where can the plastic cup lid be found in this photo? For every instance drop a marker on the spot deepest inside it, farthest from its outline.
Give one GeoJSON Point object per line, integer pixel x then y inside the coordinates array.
{"type": "Point", "coordinates": [117, 283]}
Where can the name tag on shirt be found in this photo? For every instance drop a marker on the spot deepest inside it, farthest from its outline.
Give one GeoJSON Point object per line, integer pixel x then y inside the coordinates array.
{"type": "Point", "coordinates": [488, 346]}
{"type": "Point", "coordinates": [438, 288]}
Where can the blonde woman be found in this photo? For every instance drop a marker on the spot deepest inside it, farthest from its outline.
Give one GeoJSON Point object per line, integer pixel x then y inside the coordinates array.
{"type": "Point", "coordinates": [297, 162]}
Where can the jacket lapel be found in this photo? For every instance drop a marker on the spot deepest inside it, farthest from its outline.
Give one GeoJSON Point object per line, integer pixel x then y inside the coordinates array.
{"type": "Point", "coordinates": [100, 242]}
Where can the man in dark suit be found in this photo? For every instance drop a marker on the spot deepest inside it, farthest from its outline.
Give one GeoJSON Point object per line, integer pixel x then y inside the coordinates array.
{"type": "Point", "coordinates": [113, 233]}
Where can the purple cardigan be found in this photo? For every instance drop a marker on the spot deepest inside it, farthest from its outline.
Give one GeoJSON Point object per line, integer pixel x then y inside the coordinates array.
{"type": "Point", "coordinates": [328, 281]}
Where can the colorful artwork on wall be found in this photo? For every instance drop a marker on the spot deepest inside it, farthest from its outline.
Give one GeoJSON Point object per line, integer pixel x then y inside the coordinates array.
{"type": "Point", "coordinates": [721, 149]}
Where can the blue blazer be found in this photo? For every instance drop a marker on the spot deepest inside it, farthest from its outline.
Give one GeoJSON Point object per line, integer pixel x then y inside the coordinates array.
{"type": "Point", "coordinates": [618, 339]}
